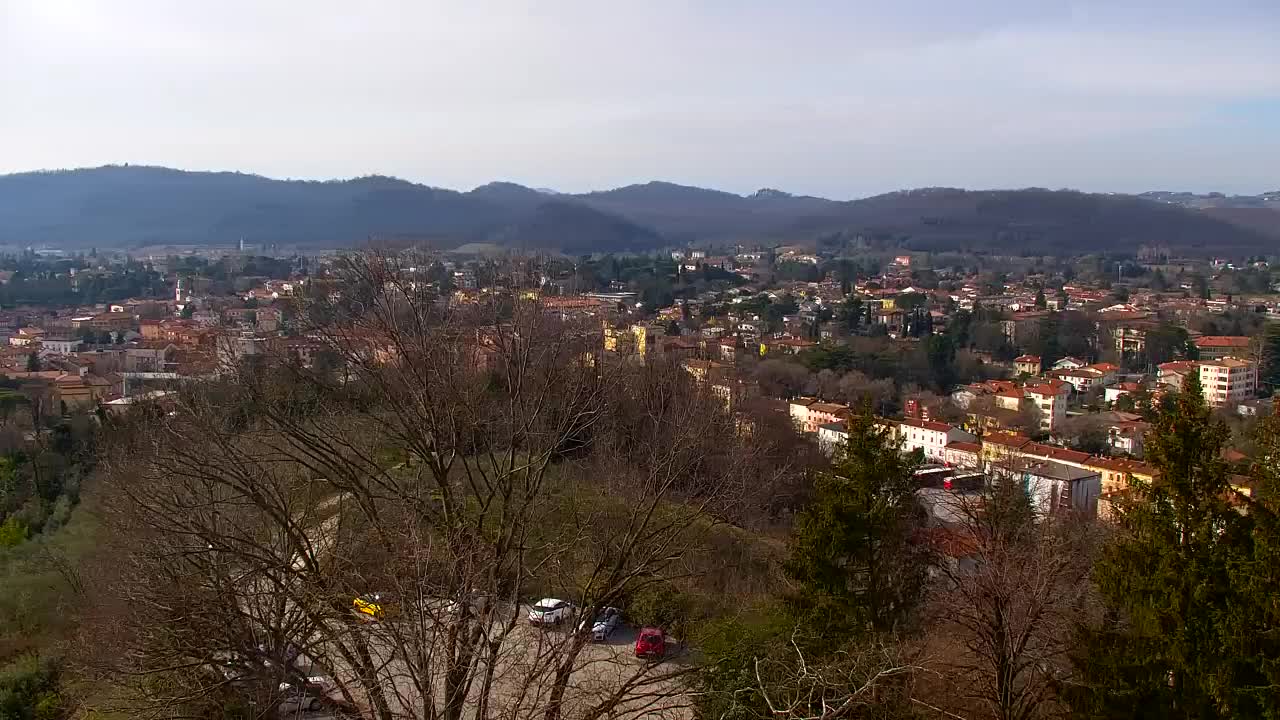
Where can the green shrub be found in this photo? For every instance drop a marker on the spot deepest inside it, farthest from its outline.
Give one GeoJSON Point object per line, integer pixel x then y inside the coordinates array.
{"type": "Point", "coordinates": [29, 690]}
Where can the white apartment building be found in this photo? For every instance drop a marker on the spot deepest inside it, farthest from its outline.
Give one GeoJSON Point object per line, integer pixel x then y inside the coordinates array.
{"type": "Point", "coordinates": [929, 437]}
{"type": "Point", "coordinates": [1051, 399]}
{"type": "Point", "coordinates": [1228, 381]}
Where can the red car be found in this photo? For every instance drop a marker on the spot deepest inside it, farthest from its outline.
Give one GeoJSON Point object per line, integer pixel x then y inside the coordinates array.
{"type": "Point", "coordinates": [651, 643]}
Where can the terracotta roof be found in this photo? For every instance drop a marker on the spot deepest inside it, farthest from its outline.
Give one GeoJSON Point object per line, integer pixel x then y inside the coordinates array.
{"type": "Point", "coordinates": [829, 408]}
{"type": "Point", "coordinates": [1123, 465]}
{"type": "Point", "coordinates": [965, 447]}
{"type": "Point", "coordinates": [1046, 388]}
{"type": "Point", "coordinates": [1027, 359]}
{"type": "Point", "coordinates": [1229, 362]}
{"type": "Point", "coordinates": [1005, 439]}
{"type": "Point", "coordinates": [926, 425]}
{"type": "Point", "coordinates": [1084, 372]}
{"type": "Point", "coordinates": [1222, 341]}
{"type": "Point", "coordinates": [1178, 366]}
{"type": "Point", "coordinates": [1053, 452]}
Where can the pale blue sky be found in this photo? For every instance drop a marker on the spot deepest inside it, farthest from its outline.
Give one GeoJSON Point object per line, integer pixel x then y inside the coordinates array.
{"type": "Point", "coordinates": [842, 98]}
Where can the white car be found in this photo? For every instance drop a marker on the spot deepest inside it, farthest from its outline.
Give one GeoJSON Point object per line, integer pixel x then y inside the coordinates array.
{"type": "Point", "coordinates": [605, 623]}
{"type": "Point", "coordinates": [550, 611]}
{"type": "Point", "coordinates": [304, 699]}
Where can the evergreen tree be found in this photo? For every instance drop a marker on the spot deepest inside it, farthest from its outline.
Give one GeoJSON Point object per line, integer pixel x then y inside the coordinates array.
{"type": "Point", "coordinates": [854, 554]}
{"type": "Point", "coordinates": [1257, 628]}
{"type": "Point", "coordinates": [1269, 375]}
{"type": "Point", "coordinates": [1174, 641]}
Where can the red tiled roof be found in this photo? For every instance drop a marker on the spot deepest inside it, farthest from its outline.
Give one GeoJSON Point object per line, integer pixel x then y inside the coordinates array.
{"type": "Point", "coordinates": [1005, 439]}
{"type": "Point", "coordinates": [964, 447]}
{"type": "Point", "coordinates": [1027, 359]}
{"type": "Point", "coordinates": [1054, 452]}
{"type": "Point", "coordinates": [926, 425]}
{"type": "Point", "coordinates": [1222, 341]}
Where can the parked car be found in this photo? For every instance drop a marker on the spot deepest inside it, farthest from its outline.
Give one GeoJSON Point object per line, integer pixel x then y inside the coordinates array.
{"type": "Point", "coordinates": [603, 625]}
{"type": "Point", "coordinates": [378, 605]}
{"type": "Point", "coordinates": [651, 642]}
{"type": "Point", "coordinates": [297, 700]}
{"type": "Point", "coordinates": [550, 611]}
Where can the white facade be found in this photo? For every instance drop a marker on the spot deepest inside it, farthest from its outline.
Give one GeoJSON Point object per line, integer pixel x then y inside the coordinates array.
{"type": "Point", "coordinates": [59, 346]}
{"type": "Point", "coordinates": [832, 436]}
{"type": "Point", "coordinates": [930, 437]}
{"type": "Point", "coordinates": [1051, 401]}
{"type": "Point", "coordinates": [1228, 381]}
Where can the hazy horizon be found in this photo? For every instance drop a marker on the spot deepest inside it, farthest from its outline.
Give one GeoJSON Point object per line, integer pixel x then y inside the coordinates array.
{"type": "Point", "coordinates": [837, 100]}
{"type": "Point", "coordinates": [557, 191]}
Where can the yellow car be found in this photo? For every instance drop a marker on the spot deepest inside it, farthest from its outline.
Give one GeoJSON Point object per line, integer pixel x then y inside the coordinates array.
{"type": "Point", "coordinates": [375, 605]}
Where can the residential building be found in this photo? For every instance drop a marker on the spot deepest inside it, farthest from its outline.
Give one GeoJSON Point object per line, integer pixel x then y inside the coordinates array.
{"type": "Point", "coordinates": [1089, 378]}
{"type": "Point", "coordinates": [1131, 337]}
{"type": "Point", "coordinates": [963, 454]}
{"type": "Point", "coordinates": [60, 345]}
{"type": "Point", "coordinates": [1126, 437]}
{"type": "Point", "coordinates": [26, 336]}
{"type": "Point", "coordinates": [1228, 381]}
{"type": "Point", "coordinates": [1069, 363]}
{"type": "Point", "coordinates": [1058, 487]}
{"type": "Point", "coordinates": [831, 436]}
{"type": "Point", "coordinates": [929, 437]}
{"type": "Point", "coordinates": [1172, 373]}
{"type": "Point", "coordinates": [107, 322]}
{"type": "Point", "coordinates": [822, 413]}
{"type": "Point", "coordinates": [1029, 364]}
{"type": "Point", "coordinates": [1113, 393]}
{"type": "Point", "coordinates": [1216, 347]}
{"type": "Point", "coordinates": [1050, 397]}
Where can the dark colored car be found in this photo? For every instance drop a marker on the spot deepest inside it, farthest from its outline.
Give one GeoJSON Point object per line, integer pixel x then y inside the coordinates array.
{"type": "Point", "coordinates": [651, 643]}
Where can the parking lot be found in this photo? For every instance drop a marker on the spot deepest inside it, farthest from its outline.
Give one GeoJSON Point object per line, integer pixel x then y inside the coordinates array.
{"type": "Point", "coordinates": [522, 676]}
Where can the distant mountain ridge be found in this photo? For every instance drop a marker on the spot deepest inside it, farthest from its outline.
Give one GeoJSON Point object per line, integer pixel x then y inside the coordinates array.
{"type": "Point", "coordinates": [134, 206]}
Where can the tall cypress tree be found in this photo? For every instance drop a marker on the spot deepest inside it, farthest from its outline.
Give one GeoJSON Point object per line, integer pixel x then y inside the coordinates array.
{"type": "Point", "coordinates": [1169, 644]}
{"type": "Point", "coordinates": [854, 555]}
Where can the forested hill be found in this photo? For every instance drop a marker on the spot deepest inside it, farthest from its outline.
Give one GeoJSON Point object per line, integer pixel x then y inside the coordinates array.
{"type": "Point", "coordinates": [138, 206]}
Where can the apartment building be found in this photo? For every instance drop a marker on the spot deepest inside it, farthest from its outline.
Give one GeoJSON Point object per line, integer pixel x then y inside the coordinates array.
{"type": "Point", "coordinates": [1050, 397]}
{"type": "Point", "coordinates": [929, 437]}
{"type": "Point", "coordinates": [1228, 381]}
{"type": "Point", "coordinates": [1217, 347]}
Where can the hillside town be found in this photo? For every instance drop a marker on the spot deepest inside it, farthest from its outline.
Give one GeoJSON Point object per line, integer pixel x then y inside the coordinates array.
{"type": "Point", "coordinates": [967, 365]}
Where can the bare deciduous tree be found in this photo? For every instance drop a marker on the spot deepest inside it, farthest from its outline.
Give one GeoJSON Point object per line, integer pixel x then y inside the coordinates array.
{"type": "Point", "coordinates": [1004, 607]}
{"type": "Point", "coordinates": [457, 464]}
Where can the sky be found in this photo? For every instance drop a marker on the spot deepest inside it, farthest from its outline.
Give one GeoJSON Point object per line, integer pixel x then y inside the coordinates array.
{"type": "Point", "coordinates": [842, 98]}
